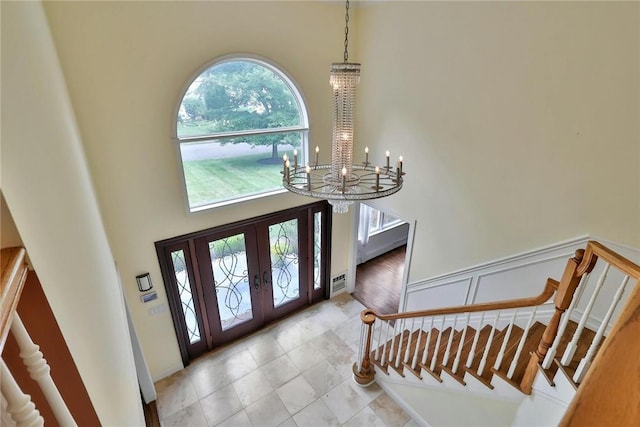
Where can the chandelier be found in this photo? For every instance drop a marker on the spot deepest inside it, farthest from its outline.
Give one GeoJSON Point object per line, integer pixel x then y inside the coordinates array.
{"type": "Point", "coordinates": [342, 181]}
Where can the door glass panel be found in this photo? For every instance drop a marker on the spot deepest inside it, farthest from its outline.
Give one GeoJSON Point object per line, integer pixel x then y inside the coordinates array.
{"type": "Point", "coordinates": [186, 297]}
{"type": "Point", "coordinates": [317, 246]}
{"type": "Point", "coordinates": [283, 245]}
{"type": "Point", "coordinates": [231, 280]}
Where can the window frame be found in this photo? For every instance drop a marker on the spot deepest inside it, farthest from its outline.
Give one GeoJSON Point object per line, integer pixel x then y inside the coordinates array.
{"type": "Point", "coordinates": [178, 141]}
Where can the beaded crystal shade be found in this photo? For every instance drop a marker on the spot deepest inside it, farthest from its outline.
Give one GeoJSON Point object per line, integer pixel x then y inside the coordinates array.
{"type": "Point", "coordinates": [342, 181]}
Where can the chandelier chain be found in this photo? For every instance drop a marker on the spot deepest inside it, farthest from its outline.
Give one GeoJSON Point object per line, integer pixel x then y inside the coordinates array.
{"type": "Point", "coordinates": [346, 33]}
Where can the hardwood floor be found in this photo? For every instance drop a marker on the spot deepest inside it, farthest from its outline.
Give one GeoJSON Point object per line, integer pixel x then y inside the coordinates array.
{"type": "Point", "coordinates": [378, 281]}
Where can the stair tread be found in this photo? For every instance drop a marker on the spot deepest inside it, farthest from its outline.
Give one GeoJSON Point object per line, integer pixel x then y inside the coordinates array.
{"type": "Point", "coordinates": [581, 350]}
{"type": "Point", "coordinates": [532, 340]}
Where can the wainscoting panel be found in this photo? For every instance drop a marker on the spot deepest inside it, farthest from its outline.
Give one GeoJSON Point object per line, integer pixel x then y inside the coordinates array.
{"type": "Point", "coordinates": [518, 276]}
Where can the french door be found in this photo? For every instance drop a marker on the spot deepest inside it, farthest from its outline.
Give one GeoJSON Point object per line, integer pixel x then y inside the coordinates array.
{"type": "Point", "coordinates": [226, 282]}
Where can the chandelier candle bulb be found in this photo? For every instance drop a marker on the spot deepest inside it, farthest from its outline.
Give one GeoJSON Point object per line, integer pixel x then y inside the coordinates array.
{"type": "Point", "coordinates": [317, 151]}
{"type": "Point", "coordinates": [377, 178]}
{"type": "Point", "coordinates": [287, 165]}
{"type": "Point", "coordinates": [285, 158]}
{"type": "Point", "coordinates": [295, 159]}
{"type": "Point", "coordinates": [344, 178]}
{"type": "Point", "coordinates": [366, 156]}
{"type": "Point", "coordinates": [400, 164]}
{"type": "Point", "coordinates": [388, 154]}
{"type": "Point", "coordinates": [308, 171]}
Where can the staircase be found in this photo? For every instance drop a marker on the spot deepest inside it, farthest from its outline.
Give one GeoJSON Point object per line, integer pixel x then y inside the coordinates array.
{"type": "Point", "coordinates": [509, 345]}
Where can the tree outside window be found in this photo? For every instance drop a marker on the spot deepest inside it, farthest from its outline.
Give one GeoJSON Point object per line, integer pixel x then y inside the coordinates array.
{"type": "Point", "coordinates": [235, 122]}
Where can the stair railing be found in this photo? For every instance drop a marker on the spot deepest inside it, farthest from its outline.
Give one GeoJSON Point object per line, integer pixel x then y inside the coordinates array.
{"type": "Point", "coordinates": [399, 340]}
{"type": "Point", "coordinates": [19, 407]}
{"type": "Point", "coordinates": [576, 275]}
{"type": "Point", "coordinates": [501, 324]}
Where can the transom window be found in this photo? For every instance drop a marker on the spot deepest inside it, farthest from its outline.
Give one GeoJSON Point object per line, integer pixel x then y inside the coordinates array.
{"type": "Point", "coordinates": [235, 122]}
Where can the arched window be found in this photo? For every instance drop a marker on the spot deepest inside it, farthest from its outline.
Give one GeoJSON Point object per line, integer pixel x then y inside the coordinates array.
{"type": "Point", "coordinates": [235, 122]}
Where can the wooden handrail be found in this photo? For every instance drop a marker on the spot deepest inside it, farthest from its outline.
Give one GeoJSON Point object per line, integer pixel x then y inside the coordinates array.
{"type": "Point", "coordinates": [596, 250]}
{"type": "Point", "coordinates": [14, 273]}
{"type": "Point", "coordinates": [365, 374]}
{"type": "Point", "coordinates": [550, 287]}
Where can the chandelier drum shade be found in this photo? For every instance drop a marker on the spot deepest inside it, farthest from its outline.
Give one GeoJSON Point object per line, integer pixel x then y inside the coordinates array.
{"type": "Point", "coordinates": [342, 181]}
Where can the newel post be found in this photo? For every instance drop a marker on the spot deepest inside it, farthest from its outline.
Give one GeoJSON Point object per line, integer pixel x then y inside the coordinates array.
{"type": "Point", "coordinates": [564, 295]}
{"type": "Point", "coordinates": [364, 374]}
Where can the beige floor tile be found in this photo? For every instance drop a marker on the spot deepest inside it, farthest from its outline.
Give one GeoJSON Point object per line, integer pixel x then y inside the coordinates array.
{"type": "Point", "coordinates": [268, 411]}
{"type": "Point", "coordinates": [280, 371]}
{"type": "Point", "coordinates": [290, 335]}
{"type": "Point", "coordinates": [343, 362]}
{"type": "Point", "coordinates": [365, 418]}
{"type": "Point", "coordinates": [264, 348]}
{"type": "Point", "coordinates": [191, 416]}
{"type": "Point", "coordinates": [307, 355]}
{"type": "Point", "coordinates": [175, 392]}
{"type": "Point", "coordinates": [389, 411]}
{"type": "Point", "coordinates": [343, 401]}
{"type": "Point", "coordinates": [240, 419]}
{"type": "Point", "coordinates": [288, 423]}
{"type": "Point", "coordinates": [252, 387]}
{"type": "Point", "coordinates": [323, 377]}
{"type": "Point", "coordinates": [220, 405]}
{"type": "Point", "coordinates": [369, 393]}
{"type": "Point", "coordinates": [315, 415]}
{"type": "Point", "coordinates": [296, 394]}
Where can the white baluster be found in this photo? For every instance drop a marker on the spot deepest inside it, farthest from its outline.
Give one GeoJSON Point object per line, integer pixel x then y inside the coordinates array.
{"type": "Point", "coordinates": [585, 363]}
{"type": "Point", "coordinates": [514, 362]}
{"type": "Point", "coordinates": [472, 352]}
{"type": "Point", "coordinates": [548, 359]}
{"type": "Point", "coordinates": [573, 345]}
{"type": "Point", "coordinates": [399, 350]}
{"type": "Point", "coordinates": [456, 362]}
{"type": "Point", "coordinates": [406, 354]}
{"type": "Point", "coordinates": [40, 372]}
{"type": "Point", "coordinates": [434, 358]}
{"type": "Point", "coordinates": [425, 352]}
{"type": "Point", "coordinates": [415, 355]}
{"type": "Point", "coordinates": [360, 347]}
{"type": "Point", "coordinates": [386, 340]}
{"type": "Point", "coordinates": [485, 355]}
{"type": "Point", "coordinates": [378, 345]}
{"type": "Point", "coordinates": [447, 351]}
{"type": "Point", "coordinates": [505, 341]}
{"type": "Point", "coordinates": [19, 405]}
{"type": "Point", "coordinates": [393, 342]}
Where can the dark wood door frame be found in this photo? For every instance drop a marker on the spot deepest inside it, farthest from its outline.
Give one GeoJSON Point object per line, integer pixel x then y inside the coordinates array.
{"type": "Point", "coordinates": [188, 244]}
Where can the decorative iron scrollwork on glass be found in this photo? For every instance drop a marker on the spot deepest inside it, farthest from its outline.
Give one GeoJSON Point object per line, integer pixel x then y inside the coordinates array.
{"type": "Point", "coordinates": [186, 297]}
{"type": "Point", "coordinates": [317, 249]}
{"type": "Point", "coordinates": [231, 280]}
{"type": "Point", "coordinates": [283, 239]}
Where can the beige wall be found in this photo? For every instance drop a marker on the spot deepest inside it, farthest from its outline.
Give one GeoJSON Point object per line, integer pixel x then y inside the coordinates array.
{"type": "Point", "coordinates": [49, 192]}
{"type": "Point", "coordinates": [519, 123]}
{"type": "Point", "coordinates": [126, 64]}
{"type": "Point", "coordinates": [514, 120]}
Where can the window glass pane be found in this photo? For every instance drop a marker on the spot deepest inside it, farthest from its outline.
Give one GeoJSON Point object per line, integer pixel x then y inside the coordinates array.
{"type": "Point", "coordinates": [285, 279]}
{"type": "Point", "coordinates": [236, 96]}
{"type": "Point", "coordinates": [231, 280]}
{"type": "Point", "coordinates": [374, 220]}
{"type": "Point", "coordinates": [317, 249]}
{"type": "Point", "coordinates": [186, 297]}
{"type": "Point", "coordinates": [388, 220]}
{"type": "Point", "coordinates": [228, 104]}
{"type": "Point", "coordinates": [225, 169]}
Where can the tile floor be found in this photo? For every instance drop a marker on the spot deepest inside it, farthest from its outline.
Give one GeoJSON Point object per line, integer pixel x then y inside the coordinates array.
{"type": "Point", "coordinates": [296, 372]}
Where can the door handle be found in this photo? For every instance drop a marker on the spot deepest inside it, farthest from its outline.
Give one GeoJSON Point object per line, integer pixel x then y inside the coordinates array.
{"type": "Point", "coordinates": [265, 278]}
{"type": "Point", "coordinates": [256, 281]}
